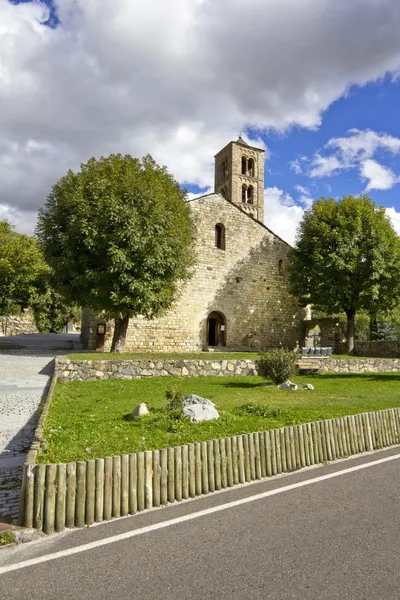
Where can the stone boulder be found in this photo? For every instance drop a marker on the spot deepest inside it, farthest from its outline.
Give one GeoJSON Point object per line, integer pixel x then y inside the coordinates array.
{"type": "Point", "coordinates": [288, 385]}
{"type": "Point", "coordinates": [140, 411]}
{"type": "Point", "coordinates": [191, 399]}
{"type": "Point", "coordinates": [199, 409]}
{"type": "Point", "coordinates": [307, 386]}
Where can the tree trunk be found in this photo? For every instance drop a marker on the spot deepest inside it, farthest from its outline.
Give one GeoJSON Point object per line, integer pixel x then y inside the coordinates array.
{"type": "Point", "coordinates": [350, 331]}
{"type": "Point", "coordinates": [373, 326]}
{"type": "Point", "coordinates": [119, 337]}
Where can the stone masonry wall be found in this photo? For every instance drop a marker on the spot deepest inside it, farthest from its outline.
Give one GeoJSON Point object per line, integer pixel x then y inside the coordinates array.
{"type": "Point", "coordinates": [97, 370]}
{"type": "Point", "coordinates": [17, 325]}
{"type": "Point", "coordinates": [243, 282]}
{"type": "Point", "coordinates": [379, 348]}
{"type": "Point", "coordinates": [92, 370]}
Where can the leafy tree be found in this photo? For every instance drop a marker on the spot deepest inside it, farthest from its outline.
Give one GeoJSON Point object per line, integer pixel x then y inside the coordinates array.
{"type": "Point", "coordinates": [50, 308]}
{"type": "Point", "coordinates": [21, 263]}
{"type": "Point", "coordinates": [118, 236]}
{"type": "Point", "coordinates": [346, 258]}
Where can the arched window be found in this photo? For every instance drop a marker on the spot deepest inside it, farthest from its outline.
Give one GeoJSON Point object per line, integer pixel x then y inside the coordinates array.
{"type": "Point", "coordinates": [250, 168]}
{"type": "Point", "coordinates": [244, 165]}
{"type": "Point", "coordinates": [220, 236]}
{"type": "Point", "coordinates": [223, 170]}
{"type": "Point", "coordinates": [244, 193]}
{"type": "Point", "coordinates": [281, 267]}
{"type": "Point", "coordinates": [250, 194]}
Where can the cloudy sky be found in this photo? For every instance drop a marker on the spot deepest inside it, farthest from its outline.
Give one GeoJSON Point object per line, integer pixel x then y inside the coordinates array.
{"type": "Point", "coordinates": [315, 82]}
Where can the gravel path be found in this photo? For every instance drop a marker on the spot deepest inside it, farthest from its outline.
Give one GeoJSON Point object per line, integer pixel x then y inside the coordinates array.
{"type": "Point", "coordinates": [24, 376]}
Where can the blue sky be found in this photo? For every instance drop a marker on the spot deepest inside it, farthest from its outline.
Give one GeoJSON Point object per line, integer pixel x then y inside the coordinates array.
{"type": "Point", "coordinates": [179, 79]}
{"type": "Point", "coordinates": [374, 107]}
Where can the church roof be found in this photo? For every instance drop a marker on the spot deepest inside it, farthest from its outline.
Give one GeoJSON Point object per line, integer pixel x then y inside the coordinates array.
{"type": "Point", "coordinates": [241, 141]}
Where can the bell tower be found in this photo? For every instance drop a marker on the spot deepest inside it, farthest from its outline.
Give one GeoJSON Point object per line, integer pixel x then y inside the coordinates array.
{"type": "Point", "coordinates": [239, 176]}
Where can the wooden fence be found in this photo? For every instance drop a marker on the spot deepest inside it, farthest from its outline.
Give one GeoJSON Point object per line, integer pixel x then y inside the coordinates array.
{"type": "Point", "coordinates": [59, 496]}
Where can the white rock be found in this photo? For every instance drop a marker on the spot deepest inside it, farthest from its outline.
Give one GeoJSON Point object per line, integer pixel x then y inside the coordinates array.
{"type": "Point", "coordinates": [288, 385]}
{"type": "Point", "coordinates": [308, 386]}
{"type": "Point", "coordinates": [140, 411]}
{"type": "Point", "coordinates": [200, 412]}
{"type": "Point", "coordinates": [192, 399]}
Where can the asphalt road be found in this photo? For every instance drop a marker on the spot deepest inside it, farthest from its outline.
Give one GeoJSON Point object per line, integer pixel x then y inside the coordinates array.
{"type": "Point", "coordinates": [322, 533]}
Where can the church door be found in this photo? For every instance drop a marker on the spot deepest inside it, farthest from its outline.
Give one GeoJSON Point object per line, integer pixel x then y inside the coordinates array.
{"type": "Point", "coordinates": [216, 330]}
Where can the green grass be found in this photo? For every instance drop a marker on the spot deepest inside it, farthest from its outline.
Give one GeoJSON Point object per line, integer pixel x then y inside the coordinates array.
{"type": "Point", "coordinates": [89, 419]}
{"type": "Point", "coordinates": [7, 537]}
{"type": "Point", "coordinates": [166, 356]}
{"type": "Point", "coordinates": [184, 356]}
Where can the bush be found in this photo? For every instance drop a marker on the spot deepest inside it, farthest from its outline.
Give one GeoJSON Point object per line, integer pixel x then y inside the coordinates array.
{"type": "Point", "coordinates": [278, 365]}
{"type": "Point", "coordinates": [174, 397]}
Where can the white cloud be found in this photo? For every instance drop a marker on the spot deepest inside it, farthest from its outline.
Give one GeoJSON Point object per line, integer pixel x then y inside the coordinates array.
{"type": "Point", "coordinates": [325, 166]}
{"type": "Point", "coordinates": [380, 177]}
{"type": "Point", "coordinates": [356, 150]}
{"type": "Point", "coordinates": [394, 217]}
{"type": "Point", "coordinates": [302, 190]}
{"type": "Point", "coordinates": [296, 166]}
{"type": "Point", "coordinates": [171, 78]}
{"type": "Point", "coordinates": [282, 215]}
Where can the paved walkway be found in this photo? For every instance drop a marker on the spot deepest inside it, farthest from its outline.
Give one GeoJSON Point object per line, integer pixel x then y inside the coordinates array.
{"type": "Point", "coordinates": [26, 365]}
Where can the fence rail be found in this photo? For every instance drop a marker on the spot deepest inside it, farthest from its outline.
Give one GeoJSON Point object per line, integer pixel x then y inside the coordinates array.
{"type": "Point", "coordinates": [59, 496]}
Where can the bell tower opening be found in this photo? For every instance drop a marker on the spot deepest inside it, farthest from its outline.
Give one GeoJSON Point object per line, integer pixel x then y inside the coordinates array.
{"type": "Point", "coordinates": [239, 176]}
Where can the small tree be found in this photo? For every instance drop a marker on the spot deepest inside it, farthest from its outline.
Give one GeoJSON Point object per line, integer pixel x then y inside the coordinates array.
{"type": "Point", "coordinates": [278, 365]}
{"type": "Point", "coordinates": [21, 263]}
{"type": "Point", "coordinates": [119, 238]}
{"type": "Point", "coordinates": [346, 258]}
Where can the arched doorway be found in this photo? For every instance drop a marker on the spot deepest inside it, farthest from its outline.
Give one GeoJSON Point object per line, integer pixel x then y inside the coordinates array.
{"type": "Point", "coordinates": [216, 329]}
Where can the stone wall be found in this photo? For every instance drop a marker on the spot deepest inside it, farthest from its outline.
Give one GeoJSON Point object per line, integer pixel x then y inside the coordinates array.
{"type": "Point", "coordinates": [92, 370]}
{"type": "Point", "coordinates": [380, 349]}
{"type": "Point", "coordinates": [24, 323]}
{"type": "Point", "coordinates": [351, 365]}
{"type": "Point", "coordinates": [243, 282]}
{"type": "Point", "coordinates": [97, 370]}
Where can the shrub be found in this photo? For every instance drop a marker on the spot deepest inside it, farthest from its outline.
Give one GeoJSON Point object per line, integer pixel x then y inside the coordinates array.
{"type": "Point", "coordinates": [278, 365]}
{"type": "Point", "coordinates": [174, 397]}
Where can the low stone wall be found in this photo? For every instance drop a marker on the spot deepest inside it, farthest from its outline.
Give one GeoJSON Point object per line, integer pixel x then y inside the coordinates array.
{"type": "Point", "coordinates": [23, 324]}
{"type": "Point", "coordinates": [97, 370]}
{"type": "Point", "coordinates": [381, 349]}
{"type": "Point", "coordinates": [350, 365]}
{"type": "Point", "coordinates": [92, 370]}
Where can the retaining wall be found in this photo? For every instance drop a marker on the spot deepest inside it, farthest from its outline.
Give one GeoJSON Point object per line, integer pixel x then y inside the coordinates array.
{"type": "Point", "coordinates": [381, 348]}
{"type": "Point", "coordinates": [59, 496]}
{"type": "Point", "coordinates": [92, 370]}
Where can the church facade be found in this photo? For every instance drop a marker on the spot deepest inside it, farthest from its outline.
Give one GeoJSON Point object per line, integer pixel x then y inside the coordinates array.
{"type": "Point", "coordinates": [238, 297]}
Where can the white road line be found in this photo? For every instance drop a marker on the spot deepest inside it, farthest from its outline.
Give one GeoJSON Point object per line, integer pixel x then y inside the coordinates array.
{"type": "Point", "coordinates": [190, 517]}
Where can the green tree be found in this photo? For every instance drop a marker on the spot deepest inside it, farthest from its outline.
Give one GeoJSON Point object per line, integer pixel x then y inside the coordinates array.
{"type": "Point", "coordinates": [21, 263]}
{"type": "Point", "coordinates": [119, 238]}
{"type": "Point", "coordinates": [50, 308]}
{"type": "Point", "coordinates": [346, 258]}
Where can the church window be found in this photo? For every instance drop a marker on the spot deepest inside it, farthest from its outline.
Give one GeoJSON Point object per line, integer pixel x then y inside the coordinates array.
{"type": "Point", "coordinates": [250, 167]}
{"type": "Point", "coordinates": [223, 170]}
{"type": "Point", "coordinates": [250, 194]}
{"type": "Point", "coordinates": [220, 236]}
{"type": "Point", "coordinates": [281, 267]}
{"type": "Point", "coordinates": [244, 165]}
{"type": "Point", "coordinates": [244, 193]}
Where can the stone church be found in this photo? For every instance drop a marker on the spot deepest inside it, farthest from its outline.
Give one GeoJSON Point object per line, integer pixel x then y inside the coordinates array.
{"type": "Point", "coordinates": [238, 297]}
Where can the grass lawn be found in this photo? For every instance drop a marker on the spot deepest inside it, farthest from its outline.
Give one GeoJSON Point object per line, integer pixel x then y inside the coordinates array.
{"type": "Point", "coordinates": [183, 356]}
{"type": "Point", "coordinates": [166, 356]}
{"type": "Point", "coordinates": [88, 419]}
